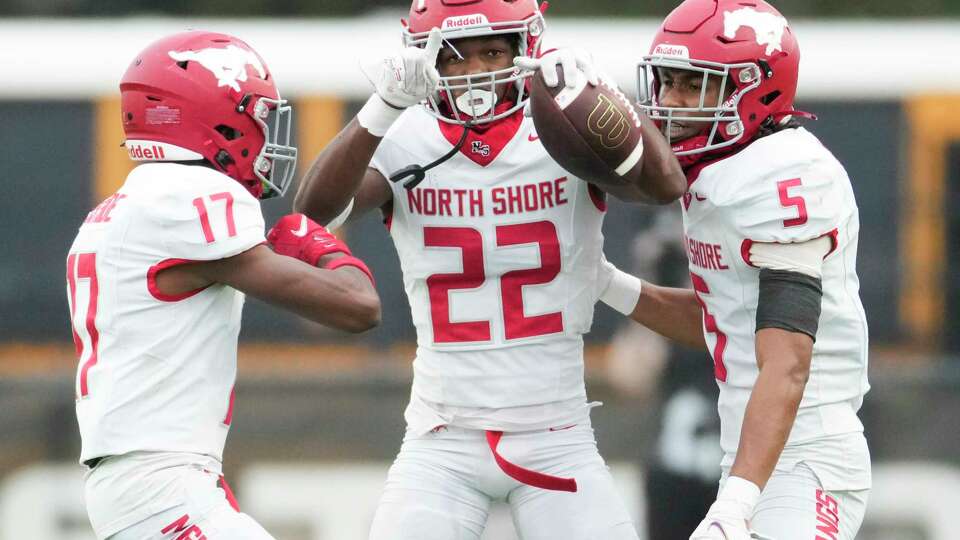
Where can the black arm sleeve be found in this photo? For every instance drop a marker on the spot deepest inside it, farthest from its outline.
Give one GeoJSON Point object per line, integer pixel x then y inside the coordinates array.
{"type": "Point", "coordinates": [789, 301]}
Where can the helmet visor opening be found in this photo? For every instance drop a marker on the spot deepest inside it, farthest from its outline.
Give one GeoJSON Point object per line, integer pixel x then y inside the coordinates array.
{"type": "Point", "coordinates": [690, 98]}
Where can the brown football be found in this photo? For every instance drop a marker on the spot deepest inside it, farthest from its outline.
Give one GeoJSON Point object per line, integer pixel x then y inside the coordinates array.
{"type": "Point", "coordinates": [591, 131]}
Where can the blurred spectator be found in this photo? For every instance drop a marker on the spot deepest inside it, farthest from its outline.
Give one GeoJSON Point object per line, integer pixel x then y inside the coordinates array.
{"type": "Point", "coordinates": [682, 474]}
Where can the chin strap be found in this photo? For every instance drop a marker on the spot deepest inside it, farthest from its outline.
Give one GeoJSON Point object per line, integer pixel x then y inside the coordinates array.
{"type": "Point", "coordinates": [802, 114]}
{"type": "Point", "coordinates": [693, 143]}
{"type": "Point", "coordinates": [412, 175]}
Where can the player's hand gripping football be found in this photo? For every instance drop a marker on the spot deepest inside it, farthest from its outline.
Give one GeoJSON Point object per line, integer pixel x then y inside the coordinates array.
{"type": "Point", "coordinates": [570, 59]}
{"type": "Point", "coordinates": [408, 77]}
{"type": "Point", "coordinates": [728, 517]}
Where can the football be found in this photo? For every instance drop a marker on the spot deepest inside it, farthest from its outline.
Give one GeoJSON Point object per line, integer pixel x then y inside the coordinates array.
{"type": "Point", "coordinates": [591, 131]}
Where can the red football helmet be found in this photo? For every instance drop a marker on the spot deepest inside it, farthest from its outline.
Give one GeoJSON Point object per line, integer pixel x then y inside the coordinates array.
{"type": "Point", "coordinates": [749, 45]}
{"type": "Point", "coordinates": [472, 18]}
{"type": "Point", "coordinates": [207, 96]}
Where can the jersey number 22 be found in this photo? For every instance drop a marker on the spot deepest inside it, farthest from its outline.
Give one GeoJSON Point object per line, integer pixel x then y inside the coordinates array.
{"type": "Point", "coordinates": [470, 241]}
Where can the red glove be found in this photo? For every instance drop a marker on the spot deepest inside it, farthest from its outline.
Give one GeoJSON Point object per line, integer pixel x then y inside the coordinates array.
{"type": "Point", "coordinates": [300, 237]}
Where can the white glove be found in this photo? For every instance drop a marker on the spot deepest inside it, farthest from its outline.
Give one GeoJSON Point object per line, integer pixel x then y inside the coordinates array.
{"type": "Point", "coordinates": [728, 517]}
{"type": "Point", "coordinates": [408, 77]}
{"type": "Point", "coordinates": [576, 61]}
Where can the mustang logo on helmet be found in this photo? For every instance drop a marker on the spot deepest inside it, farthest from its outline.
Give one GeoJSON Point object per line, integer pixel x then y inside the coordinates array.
{"type": "Point", "coordinates": [228, 65]}
{"type": "Point", "coordinates": [768, 27]}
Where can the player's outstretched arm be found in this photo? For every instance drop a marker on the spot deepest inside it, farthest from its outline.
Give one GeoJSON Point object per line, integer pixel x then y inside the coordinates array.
{"type": "Point", "coordinates": [342, 298]}
{"type": "Point", "coordinates": [340, 180]}
{"type": "Point", "coordinates": [341, 174]}
{"type": "Point", "coordinates": [671, 312]}
{"type": "Point", "coordinates": [308, 271]}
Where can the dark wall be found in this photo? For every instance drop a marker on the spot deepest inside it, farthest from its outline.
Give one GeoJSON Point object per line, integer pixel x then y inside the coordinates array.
{"type": "Point", "coordinates": [952, 329]}
{"type": "Point", "coordinates": [868, 138]}
{"type": "Point", "coordinates": [46, 152]}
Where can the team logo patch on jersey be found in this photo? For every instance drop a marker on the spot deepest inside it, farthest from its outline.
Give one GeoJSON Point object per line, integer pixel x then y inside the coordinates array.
{"type": "Point", "coordinates": [228, 65]}
{"type": "Point", "coordinates": [481, 148]}
{"type": "Point", "coordinates": [768, 27]}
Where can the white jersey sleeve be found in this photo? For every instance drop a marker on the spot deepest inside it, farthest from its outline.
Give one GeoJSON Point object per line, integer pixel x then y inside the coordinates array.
{"type": "Point", "coordinates": [391, 155]}
{"type": "Point", "coordinates": [794, 203]}
{"type": "Point", "coordinates": [205, 216]}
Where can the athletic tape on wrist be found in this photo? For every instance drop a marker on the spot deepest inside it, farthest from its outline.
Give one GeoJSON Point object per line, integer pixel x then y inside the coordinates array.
{"type": "Point", "coordinates": [350, 260]}
{"type": "Point", "coordinates": [741, 491]}
{"type": "Point", "coordinates": [623, 292]}
{"type": "Point", "coordinates": [377, 116]}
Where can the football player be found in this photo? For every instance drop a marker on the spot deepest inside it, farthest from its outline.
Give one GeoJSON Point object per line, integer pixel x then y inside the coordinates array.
{"type": "Point", "coordinates": [156, 277]}
{"type": "Point", "coordinates": [771, 228]}
{"type": "Point", "coordinates": [500, 250]}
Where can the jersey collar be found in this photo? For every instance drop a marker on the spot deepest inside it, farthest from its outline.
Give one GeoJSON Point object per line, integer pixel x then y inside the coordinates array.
{"type": "Point", "coordinates": [485, 142]}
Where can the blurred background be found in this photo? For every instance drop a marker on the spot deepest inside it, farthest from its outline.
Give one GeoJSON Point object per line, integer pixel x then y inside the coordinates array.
{"type": "Point", "coordinates": [319, 415]}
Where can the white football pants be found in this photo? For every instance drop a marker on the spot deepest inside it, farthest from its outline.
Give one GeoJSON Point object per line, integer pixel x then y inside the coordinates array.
{"type": "Point", "coordinates": [442, 484]}
{"type": "Point", "coordinates": [182, 502]}
{"type": "Point", "coordinates": [794, 506]}
{"type": "Point", "coordinates": [219, 523]}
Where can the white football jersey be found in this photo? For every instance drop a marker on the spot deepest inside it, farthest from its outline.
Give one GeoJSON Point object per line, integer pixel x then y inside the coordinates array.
{"type": "Point", "coordinates": [500, 253]}
{"type": "Point", "coordinates": [156, 372]}
{"type": "Point", "coordinates": [784, 188]}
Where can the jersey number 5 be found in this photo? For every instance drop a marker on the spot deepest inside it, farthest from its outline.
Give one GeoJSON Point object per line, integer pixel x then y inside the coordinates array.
{"type": "Point", "coordinates": [787, 201]}
{"type": "Point", "coordinates": [516, 324]}
{"type": "Point", "coordinates": [82, 270]}
{"type": "Point", "coordinates": [710, 323]}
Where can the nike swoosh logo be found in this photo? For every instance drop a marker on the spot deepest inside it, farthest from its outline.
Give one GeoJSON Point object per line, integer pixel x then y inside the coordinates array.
{"type": "Point", "coordinates": [563, 428]}
{"type": "Point", "coordinates": [700, 198]}
{"type": "Point", "coordinates": [533, 138]}
{"type": "Point", "coordinates": [302, 231]}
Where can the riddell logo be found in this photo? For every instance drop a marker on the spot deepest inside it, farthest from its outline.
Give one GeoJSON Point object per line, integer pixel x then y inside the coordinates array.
{"type": "Point", "coordinates": [141, 153]}
{"type": "Point", "coordinates": [464, 21]}
{"type": "Point", "coordinates": [679, 51]}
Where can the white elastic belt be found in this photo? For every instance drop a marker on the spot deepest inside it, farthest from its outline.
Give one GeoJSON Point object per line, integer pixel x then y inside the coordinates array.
{"type": "Point", "coordinates": [623, 292]}
{"type": "Point", "coordinates": [377, 117]}
{"type": "Point", "coordinates": [803, 257]}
